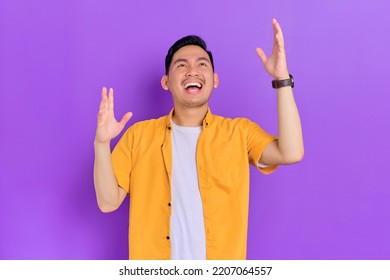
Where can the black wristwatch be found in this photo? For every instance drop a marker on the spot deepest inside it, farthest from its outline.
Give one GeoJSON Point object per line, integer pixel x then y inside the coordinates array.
{"type": "Point", "coordinates": [283, 83]}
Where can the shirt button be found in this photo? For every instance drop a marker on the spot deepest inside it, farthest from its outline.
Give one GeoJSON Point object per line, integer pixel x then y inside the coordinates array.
{"type": "Point", "coordinates": [169, 204]}
{"type": "Point", "coordinates": [168, 237]}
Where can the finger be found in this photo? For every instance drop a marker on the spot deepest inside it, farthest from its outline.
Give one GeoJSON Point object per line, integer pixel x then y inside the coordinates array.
{"type": "Point", "coordinates": [104, 92]}
{"type": "Point", "coordinates": [126, 118]}
{"type": "Point", "coordinates": [278, 34]}
{"type": "Point", "coordinates": [262, 55]}
{"type": "Point", "coordinates": [278, 44]}
{"type": "Point", "coordinates": [103, 102]}
{"type": "Point", "coordinates": [111, 100]}
{"type": "Point", "coordinates": [276, 26]}
{"type": "Point", "coordinates": [274, 23]}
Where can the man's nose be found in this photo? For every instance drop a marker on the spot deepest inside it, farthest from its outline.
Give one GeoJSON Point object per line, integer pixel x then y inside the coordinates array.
{"type": "Point", "coordinates": [192, 72]}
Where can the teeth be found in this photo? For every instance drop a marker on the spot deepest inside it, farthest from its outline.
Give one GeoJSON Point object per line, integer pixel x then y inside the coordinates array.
{"type": "Point", "coordinates": [192, 84]}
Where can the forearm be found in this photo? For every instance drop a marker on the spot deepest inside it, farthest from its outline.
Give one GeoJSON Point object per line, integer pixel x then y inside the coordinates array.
{"type": "Point", "coordinates": [106, 186]}
{"type": "Point", "coordinates": [290, 142]}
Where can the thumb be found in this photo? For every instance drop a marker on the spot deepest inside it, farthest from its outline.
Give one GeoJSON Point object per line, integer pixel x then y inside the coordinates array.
{"type": "Point", "coordinates": [126, 118]}
{"type": "Point", "coordinates": [262, 55]}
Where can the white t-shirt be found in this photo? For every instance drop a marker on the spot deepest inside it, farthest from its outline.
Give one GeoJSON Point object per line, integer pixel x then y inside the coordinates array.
{"type": "Point", "coordinates": [188, 239]}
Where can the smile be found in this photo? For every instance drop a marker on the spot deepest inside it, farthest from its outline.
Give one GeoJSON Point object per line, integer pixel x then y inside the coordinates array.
{"type": "Point", "coordinates": [192, 85]}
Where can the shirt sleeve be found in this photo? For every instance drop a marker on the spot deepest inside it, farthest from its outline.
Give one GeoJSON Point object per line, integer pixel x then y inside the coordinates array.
{"type": "Point", "coordinates": [121, 160]}
{"type": "Point", "coordinates": [257, 141]}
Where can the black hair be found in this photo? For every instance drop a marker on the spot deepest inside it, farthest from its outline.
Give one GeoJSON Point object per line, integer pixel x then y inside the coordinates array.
{"type": "Point", "coordinates": [186, 41]}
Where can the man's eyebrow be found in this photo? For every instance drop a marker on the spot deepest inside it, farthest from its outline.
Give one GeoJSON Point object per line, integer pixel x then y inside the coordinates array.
{"type": "Point", "coordinates": [180, 60]}
{"type": "Point", "coordinates": [185, 60]}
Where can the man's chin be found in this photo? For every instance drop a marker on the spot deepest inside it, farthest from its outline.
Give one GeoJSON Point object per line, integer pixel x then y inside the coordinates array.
{"type": "Point", "coordinates": [195, 103]}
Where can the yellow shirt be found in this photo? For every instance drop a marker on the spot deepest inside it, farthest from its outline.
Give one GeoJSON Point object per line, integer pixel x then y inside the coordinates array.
{"type": "Point", "coordinates": [142, 162]}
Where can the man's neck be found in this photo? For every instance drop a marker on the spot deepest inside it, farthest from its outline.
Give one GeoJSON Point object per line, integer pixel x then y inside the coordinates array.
{"type": "Point", "coordinates": [189, 116]}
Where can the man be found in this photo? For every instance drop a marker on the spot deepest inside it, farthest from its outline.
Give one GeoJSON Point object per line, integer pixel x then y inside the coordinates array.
{"type": "Point", "coordinates": [187, 173]}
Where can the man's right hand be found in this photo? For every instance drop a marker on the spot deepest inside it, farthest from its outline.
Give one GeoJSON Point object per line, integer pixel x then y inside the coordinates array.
{"type": "Point", "coordinates": [107, 126]}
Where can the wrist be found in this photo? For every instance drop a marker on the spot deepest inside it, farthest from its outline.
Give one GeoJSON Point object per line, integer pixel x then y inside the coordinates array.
{"type": "Point", "coordinates": [97, 143]}
{"type": "Point", "coordinates": [282, 77]}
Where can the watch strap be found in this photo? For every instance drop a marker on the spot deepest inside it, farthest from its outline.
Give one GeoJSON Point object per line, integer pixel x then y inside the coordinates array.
{"type": "Point", "coordinates": [283, 83]}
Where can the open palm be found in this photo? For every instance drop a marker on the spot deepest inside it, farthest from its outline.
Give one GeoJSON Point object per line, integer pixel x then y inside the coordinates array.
{"type": "Point", "coordinates": [107, 126]}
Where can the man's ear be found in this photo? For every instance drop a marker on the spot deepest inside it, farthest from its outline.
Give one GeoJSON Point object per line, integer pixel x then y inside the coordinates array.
{"type": "Point", "coordinates": [164, 82]}
{"type": "Point", "coordinates": [216, 80]}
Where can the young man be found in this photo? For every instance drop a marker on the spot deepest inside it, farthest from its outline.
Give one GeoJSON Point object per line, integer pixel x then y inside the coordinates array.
{"type": "Point", "coordinates": [187, 173]}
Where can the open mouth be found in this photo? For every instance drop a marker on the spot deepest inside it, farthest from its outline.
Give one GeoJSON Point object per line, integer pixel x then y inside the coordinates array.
{"type": "Point", "coordinates": [193, 87]}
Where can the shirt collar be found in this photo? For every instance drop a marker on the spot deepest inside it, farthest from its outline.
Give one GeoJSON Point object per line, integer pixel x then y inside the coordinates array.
{"type": "Point", "coordinates": [206, 121]}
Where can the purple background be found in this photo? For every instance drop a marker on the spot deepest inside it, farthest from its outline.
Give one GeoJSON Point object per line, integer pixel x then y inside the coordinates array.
{"type": "Point", "coordinates": [56, 55]}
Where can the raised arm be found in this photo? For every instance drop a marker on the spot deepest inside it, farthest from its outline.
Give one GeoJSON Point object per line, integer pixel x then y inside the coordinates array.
{"type": "Point", "coordinates": [288, 148]}
{"type": "Point", "coordinates": [108, 194]}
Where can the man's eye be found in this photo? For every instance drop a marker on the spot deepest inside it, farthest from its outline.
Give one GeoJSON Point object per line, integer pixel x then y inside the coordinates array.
{"type": "Point", "coordinates": [203, 64]}
{"type": "Point", "coordinates": [181, 65]}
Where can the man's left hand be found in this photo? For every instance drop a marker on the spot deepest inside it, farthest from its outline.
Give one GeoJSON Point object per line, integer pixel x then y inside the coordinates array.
{"type": "Point", "coordinates": [276, 64]}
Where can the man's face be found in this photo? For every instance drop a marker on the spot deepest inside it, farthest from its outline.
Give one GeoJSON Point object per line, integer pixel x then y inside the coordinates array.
{"type": "Point", "coordinates": [190, 78]}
